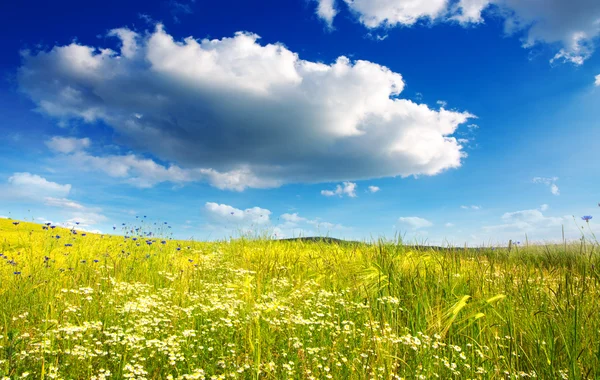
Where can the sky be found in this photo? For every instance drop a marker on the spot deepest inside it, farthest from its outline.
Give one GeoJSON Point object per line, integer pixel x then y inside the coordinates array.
{"type": "Point", "coordinates": [439, 121]}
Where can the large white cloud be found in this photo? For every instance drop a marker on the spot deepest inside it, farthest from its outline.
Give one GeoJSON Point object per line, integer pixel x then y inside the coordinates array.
{"type": "Point", "coordinates": [571, 24]}
{"type": "Point", "coordinates": [234, 105]}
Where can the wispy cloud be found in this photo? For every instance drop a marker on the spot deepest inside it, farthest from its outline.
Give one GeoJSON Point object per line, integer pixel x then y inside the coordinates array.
{"type": "Point", "coordinates": [414, 222]}
{"type": "Point", "coordinates": [550, 182]}
{"type": "Point", "coordinates": [471, 207]}
{"type": "Point", "coordinates": [374, 189]}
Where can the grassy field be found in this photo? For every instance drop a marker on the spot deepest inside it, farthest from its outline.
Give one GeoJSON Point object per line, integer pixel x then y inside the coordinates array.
{"type": "Point", "coordinates": [107, 307]}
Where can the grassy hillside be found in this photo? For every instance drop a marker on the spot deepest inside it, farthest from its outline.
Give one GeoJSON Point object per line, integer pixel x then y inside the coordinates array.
{"type": "Point", "coordinates": [98, 307]}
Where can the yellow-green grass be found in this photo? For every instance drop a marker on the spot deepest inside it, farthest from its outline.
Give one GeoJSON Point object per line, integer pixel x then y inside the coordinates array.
{"type": "Point", "coordinates": [106, 307]}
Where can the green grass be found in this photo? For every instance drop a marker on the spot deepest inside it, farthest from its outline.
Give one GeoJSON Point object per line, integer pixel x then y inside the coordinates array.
{"type": "Point", "coordinates": [264, 309]}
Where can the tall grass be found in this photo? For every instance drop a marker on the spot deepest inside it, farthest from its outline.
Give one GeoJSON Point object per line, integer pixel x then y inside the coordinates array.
{"type": "Point", "coordinates": [114, 307]}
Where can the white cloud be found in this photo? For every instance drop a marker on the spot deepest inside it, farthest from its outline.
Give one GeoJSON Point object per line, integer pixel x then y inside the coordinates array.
{"type": "Point", "coordinates": [471, 207]}
{"type": "Point", "coordinates": [572, 25]}
{"type": "Point", "coordinates": [293, 218]}
{"type": "Point", "coordinates": [449, 225]}
{"type": "Point", "coordinates": [348, 188]}
{"type": "Point", "coordinates": [414, 222]}
{"type": "Point", "coordinates": [3, 217]}
{"type": "Point", "coordinates": [144, 172]}
{"type": "Point", "coordinates": [597, 82]}
{"type": "Point", "coordinates": [244, 113]}
{"type": "Point", "coordinates": [374, 189]}
{"type": "Point", "coordinates": [531, 222]}
{"type": "Point", "coordinates": [32, 185]}
{"type": "Point", "coordinates": [548, 181]}
{"type": "Point", "coordinates": [326, 10]}
{"type": "Point", "coordinates": [227, 214]}
{"type": "Point", "coordinates": [67, 144]}
{"type": "Point", "coordinates": [63, 203]}
{"type": "Point", "coordinates": [544, 207]}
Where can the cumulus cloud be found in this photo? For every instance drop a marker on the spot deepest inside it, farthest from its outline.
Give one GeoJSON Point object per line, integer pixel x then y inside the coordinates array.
{"type": "Point", "coordinates": [374, 189]}
{"type": "Point", "coordinates": [67, 144]}
{"type": "Point", "coordinates": [550, 182]}
{"type": "Point", "coordinates": [414, 222]}
{"type": "Point", "coordinates": [544, 207]}
{"type": "Point", "coordinates": [223, 213]}
{"type": "Point", "coordinates": [347, 188]}
{"type": "Point", "coordinates": [571, 25]}
{"type": "Point", "coordinates": [32, 185]}
{"type": "Point", "coordinates": [242, 111]}
{"type": "Point", "coordinates": [326, 10]}
{"type": "Point", "coordinates": [597, 82]}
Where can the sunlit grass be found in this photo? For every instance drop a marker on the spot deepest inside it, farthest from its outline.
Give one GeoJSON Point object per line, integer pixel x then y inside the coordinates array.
{"type": "Point", "coordinates": [110, 307]}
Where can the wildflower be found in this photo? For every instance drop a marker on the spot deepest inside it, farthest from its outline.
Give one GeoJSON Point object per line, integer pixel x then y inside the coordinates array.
{"type": "Point", "coordinates": [96, 260]}
{"type": "Point", "coordinates": [163, 242]}
{"type": "Point", "coordinates": [52, 227]}
{"type": "Point", "coordinates": [83, 234]}
{"type": "Point", "coordinates": [586, 218]}
{"type": "Point", "coordinates": [68, 245]}
{"type": "Point", "coordinates": [16, 223]}
{"type": "Point", "coordinates": [57, 236]}
{"type": "Point", "coordinates": [17, 273]}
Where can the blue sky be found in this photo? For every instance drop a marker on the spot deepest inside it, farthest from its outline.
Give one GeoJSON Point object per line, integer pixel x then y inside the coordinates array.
{"type": "Point", "coordinates": [444, 121]}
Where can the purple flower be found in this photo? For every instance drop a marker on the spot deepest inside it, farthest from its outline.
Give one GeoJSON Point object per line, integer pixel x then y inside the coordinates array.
{"type": "Point", "coordinates": [586, 218]}
{"type": "Point", "coordinates": [82, 234]}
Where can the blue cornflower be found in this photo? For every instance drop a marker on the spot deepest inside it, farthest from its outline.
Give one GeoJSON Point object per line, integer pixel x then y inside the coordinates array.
{"type": "Point", "coordinates": [77, 223]}
{"type": "Point", "coordinates": [148, 242]}
{"type": "Point", "coordinates": [48, 224]}
{"type": "Point", "coordinates": [114, 227]}
{"type": "Point", "coordinates": [179, 248]}
{"type": "Point", "coordinates": [68, 245]}
{"type": "Point", "coordinates": [83, 234]}
{"type": "Point", "coordinates": [53, 227]}
{"type": "Point", "coordinates": [57, 236]}
{"type": "Point", "coordinates": [586, 218]}
{"type": "Point", "coordinates": [96, 260]}
{"type": "Point", "coordinates": [17, 272]}
{"type": "Point", "coordinates": [166, 223]}
{"type": "Point", "coordinates": [134, 239]}
{"type": "Point", "coordinates": [163, 242]}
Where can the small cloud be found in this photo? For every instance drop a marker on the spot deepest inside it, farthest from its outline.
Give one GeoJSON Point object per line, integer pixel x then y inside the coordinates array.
{"type": "Point", "coordinates": [326, 11]}
{"type": "Point", "coordinates": [374, 189]}
{"type": "Point", "coordinates": [550, 182]}
{"type": "Point", "coordinates": [32, 185]}
{"type": "Point", "coordinates": [348, 188]}
{"type": "Point", "coordinates": [227, 214]}
{"type": "Point", "coordinates": [472, 207]}
{"type": "Point", "coordinates": [180, 8]}
{"type": "Point", "coordinates": [67, 145]}
{"type": "Point", "coordinates": [449, 225]}
{"type": "Point", "coordinates": [63, 203]}
{"type": "Point", "coordinates": [414, 222]}
{"type": "Point", "coordinates": [442, 103]}
{"type": "Point", "coordinates": [597, 82]}
{"type": "Point", "coordinates": [544, 207]}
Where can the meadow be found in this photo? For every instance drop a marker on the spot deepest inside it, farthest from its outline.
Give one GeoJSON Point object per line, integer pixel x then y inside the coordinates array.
{"type": "Point", "coordinates": [77, 305]}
